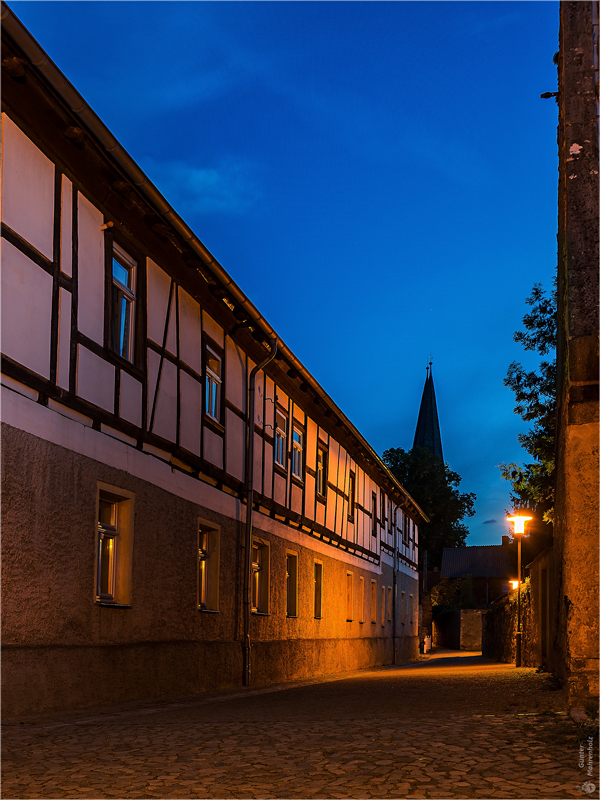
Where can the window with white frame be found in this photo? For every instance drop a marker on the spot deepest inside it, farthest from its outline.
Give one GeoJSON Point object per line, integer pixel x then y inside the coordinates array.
{"type": "Point", "coordinates": [122, 324]}
{"type": "Point", "coordinates": [318, 593]}
{"type": "Point", "coordinates": [297, 451]}
{"type": "Point", "coordinates": [351, 496]}
{"type": "Point", "coordinates": [281, 423]}
{"type": "Point", "coordinates": [208, 568]}
{"type": "Point", "coordinates": [291, 584]}
{"type": "Point", "coordinates": [213, 379]}
{"type": "Point", "coordinates": [260, 577]}
{"type": "Point", "coordinates": [349, 597]}
{"type": "Point", "coordinates": [114, 545]}
{"type": "Point", "coordinates": [321, 470]}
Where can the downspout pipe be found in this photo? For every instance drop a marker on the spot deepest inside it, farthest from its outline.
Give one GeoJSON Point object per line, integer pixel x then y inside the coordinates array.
{"type": "Point", "coordinates": [247, 588]}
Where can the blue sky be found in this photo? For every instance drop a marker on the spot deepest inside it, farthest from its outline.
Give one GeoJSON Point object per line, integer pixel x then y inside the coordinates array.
{"type": "Point", "coordinates": [380, 179]}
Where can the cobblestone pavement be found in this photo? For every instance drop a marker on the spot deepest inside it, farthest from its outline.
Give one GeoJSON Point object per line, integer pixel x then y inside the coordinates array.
{"type": "Point", "coordinates": [443, 728]}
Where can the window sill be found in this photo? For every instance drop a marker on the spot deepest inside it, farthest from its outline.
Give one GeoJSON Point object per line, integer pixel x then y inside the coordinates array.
{"type": "Point", "coordinates": [298, 481]}
{"type": "Point", "coordinates": [291, 616]}
{"type": "Point", "coordinates": [209, 610]}
{"type": "Point", "coordinates": [107, 604]}
{"type": "Point", "coordinates": [213, 424]}
{"type": "Point", "coordinates": [280, 470]}
{"type": "Point", "coordinates": [261, 613]}
{"type": "Point", "coordinates": [321, 498]}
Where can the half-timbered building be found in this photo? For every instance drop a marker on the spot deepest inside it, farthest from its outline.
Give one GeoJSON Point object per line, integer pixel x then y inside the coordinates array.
{"type": "Point", "coordinates": [146, 406]}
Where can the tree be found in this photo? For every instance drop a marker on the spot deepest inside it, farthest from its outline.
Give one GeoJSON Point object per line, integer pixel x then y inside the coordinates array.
{"type": "Point", "coordinates": [535, 392]}
{"type": "Point", "coordinates": [434, 486]}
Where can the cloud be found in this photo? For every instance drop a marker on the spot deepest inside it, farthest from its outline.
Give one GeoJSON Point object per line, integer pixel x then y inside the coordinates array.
{"type": "Point", "coordinates": [228, 188]}
{"type": "Point", "coordinates": [490, 521]}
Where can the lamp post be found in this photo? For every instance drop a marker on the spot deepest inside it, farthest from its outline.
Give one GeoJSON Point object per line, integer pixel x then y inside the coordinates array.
{"type": "Point", "coordinates": [519, 530]}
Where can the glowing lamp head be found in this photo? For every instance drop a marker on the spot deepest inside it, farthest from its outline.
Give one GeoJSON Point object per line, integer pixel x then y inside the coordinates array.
{"type": "Point", "coordinates": [519, 523]}
{"type": "Point", "coordinates": [514, 585]}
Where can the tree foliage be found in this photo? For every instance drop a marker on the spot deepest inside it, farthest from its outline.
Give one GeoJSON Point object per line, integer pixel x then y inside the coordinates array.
{"type": "Point", "coordinates": [535, 394]}
{"type": "Point", "coordinates": [434, 486]}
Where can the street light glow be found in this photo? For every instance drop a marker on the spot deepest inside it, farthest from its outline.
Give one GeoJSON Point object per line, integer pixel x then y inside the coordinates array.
{"type": "Point", "coordinates": [519, 523]}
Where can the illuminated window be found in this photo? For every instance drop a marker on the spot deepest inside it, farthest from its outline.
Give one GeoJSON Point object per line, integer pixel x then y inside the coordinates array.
{"type": "Point", "coordinates": [321, 470]}
{"type": "Point", "coordinates": [208, 568]}
{"type": "Point", "coordinates": [122, 303]}
{"type": "Point", "coordinates": [291, 584]}
{"type": "Point", "coordinates": [349, 597]}
{"type": "Point", "coordinates": [373, 601]}
{"type": "Point", "coordinates": [260, 577]}
{"type": "Point", "coordinates": [351, 496]}
{"type": "Point", "coordinates": [318, 589]}
{"type": "Point", "coordinates": [361, 600]}
{"type": "Point", "coordinates": [297, 451]}
{"type": "Point", "coordinates": [114, 546]}
{"type": "Point", "coordinates": [280, 438]}
{"type": "Point", "coordinates": [213, 383]}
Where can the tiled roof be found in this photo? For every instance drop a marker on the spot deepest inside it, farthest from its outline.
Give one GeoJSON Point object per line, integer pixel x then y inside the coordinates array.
{"type": "Point", "coordinates": [485, 561]}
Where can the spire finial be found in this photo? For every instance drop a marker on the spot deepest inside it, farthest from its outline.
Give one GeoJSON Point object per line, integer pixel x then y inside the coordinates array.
{"type": "Point", "coordinates": [430, 363]}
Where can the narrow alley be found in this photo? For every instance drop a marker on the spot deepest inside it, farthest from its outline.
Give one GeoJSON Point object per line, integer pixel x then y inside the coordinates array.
{"type": "Point", "coordinates": [452, 726]}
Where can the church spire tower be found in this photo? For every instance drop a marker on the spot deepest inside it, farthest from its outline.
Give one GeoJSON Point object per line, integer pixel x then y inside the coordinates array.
{"type": "Point", "coordinates": [427, 433]}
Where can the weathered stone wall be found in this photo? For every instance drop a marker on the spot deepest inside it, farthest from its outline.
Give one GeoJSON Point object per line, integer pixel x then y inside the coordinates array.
{"type": "Point", "coordinates": [500, 626]}
{"type": "Point", "coordinates": [471, 628]}
{"type": "Point", "coordinates": [61, 649]}
{"type": "Point", "coordinates": [575, 642]}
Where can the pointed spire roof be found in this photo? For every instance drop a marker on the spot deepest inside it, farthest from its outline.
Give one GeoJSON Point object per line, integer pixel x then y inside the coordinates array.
{"type": "Point", "coordinates": [427, 433]}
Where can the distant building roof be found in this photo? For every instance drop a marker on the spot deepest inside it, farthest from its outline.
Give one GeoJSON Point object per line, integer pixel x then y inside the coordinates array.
{"type": "Point", "coordinates": [485, 561]}
{"type": "Point", "coordinates": [427, 433]}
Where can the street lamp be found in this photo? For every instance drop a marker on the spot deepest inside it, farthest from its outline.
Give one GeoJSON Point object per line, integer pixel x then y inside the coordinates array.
{"type": "Point", "coordinates": [519, 529]}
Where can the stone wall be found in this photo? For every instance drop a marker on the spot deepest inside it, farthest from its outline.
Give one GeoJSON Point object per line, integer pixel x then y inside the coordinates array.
{"type": "Point", "coordinates": [500, 626]}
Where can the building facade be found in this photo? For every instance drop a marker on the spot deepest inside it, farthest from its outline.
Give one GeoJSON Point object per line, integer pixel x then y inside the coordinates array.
{"type": "Point", "coordinates": [146, 406]}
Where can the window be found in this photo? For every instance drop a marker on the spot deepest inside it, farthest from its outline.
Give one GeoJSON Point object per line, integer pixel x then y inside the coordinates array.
{"type": "Point", "coordinates": [373, 601]}
{"type": "Point", "coordinates": [389, 603]}
{"type": "Point", "coordinates": [297, 451]}
{"type": "Point", "coordinates": [321, 470]}
{"type": "Point", "coordinates": [383, 605]}
{"type": "Point", "coordinates": [351, 496]}
{"type": "Point", "coordinates": [213, 367]}
{"type": "Point", "coordinates": [122, 303]}
{"type": "Point", "coordinates": [403, 608]}
{"type": "Point", "coordinates": [208, 568]}
{"type": "Point", "coordinates": [291, 584]}
{"type": "Point", "coordinates": [349, 597]}
{"type": "Point", "coordinates": [361, 600]}
{"type": "Point", "coordinates": [410, 608]}
{"type": "Point", "coordinates": [318, 589]}
{"type": "Point", "coordinates": [405, 530]}
{"type": "Point", "coordinates": [260, 577]}
{"type": "Point", "coordinates": [114, 546]}
{"type": "Point", "coordinates": [280, 438]}
{"type": "Point", "coordinates": [374, 514]}
{"type": "Point", "coordinates": [382, 508]}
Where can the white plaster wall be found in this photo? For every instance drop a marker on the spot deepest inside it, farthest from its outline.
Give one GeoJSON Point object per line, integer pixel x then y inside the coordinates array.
{"type": "Point", "coordinates": [213, 329]}
{"type": "Point", "coordinates": [130, 399]}
{"type": "Point", "coordinates": [27, 189]}
{"type": "Point", "coordinates": [190, 331]}
{"type": "Point", "coordinates": [90, 261]}
{"type": "Point", "coordinates": [165, 415]}
{"type": "Point", "coordinates": [236, 435]}
{"type": "Point", "coordinates": [158, 287]}
{"type": "Point", "coordinates": [95, 379]}
{"type": "Point", "coordinates": [66, 227]}
{"type": "Point", "coordinates": [235, 378]}
{"type": "Point", "coordinates": [191, 412]}
{"type": "Point", "coordinates": [64, 338]}
{"type": "Point", "coordinates": [26, 311]}
{"type": "Point", "coordinates": [213, 448]}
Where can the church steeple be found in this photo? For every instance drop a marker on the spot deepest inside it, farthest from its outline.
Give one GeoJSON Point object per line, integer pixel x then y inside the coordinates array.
{"type": "Point", "coordinates": [427, 433]}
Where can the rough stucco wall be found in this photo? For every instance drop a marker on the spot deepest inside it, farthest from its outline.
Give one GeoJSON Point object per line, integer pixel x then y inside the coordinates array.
{"type": "Point", "coordinates": [63, 650]}
{"type": "Point", "coordinates": [576, 506]}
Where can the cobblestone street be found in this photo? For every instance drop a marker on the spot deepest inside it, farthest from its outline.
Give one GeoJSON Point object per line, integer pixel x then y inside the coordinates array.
{"type": "Point", "coordinates": [450, 727]}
